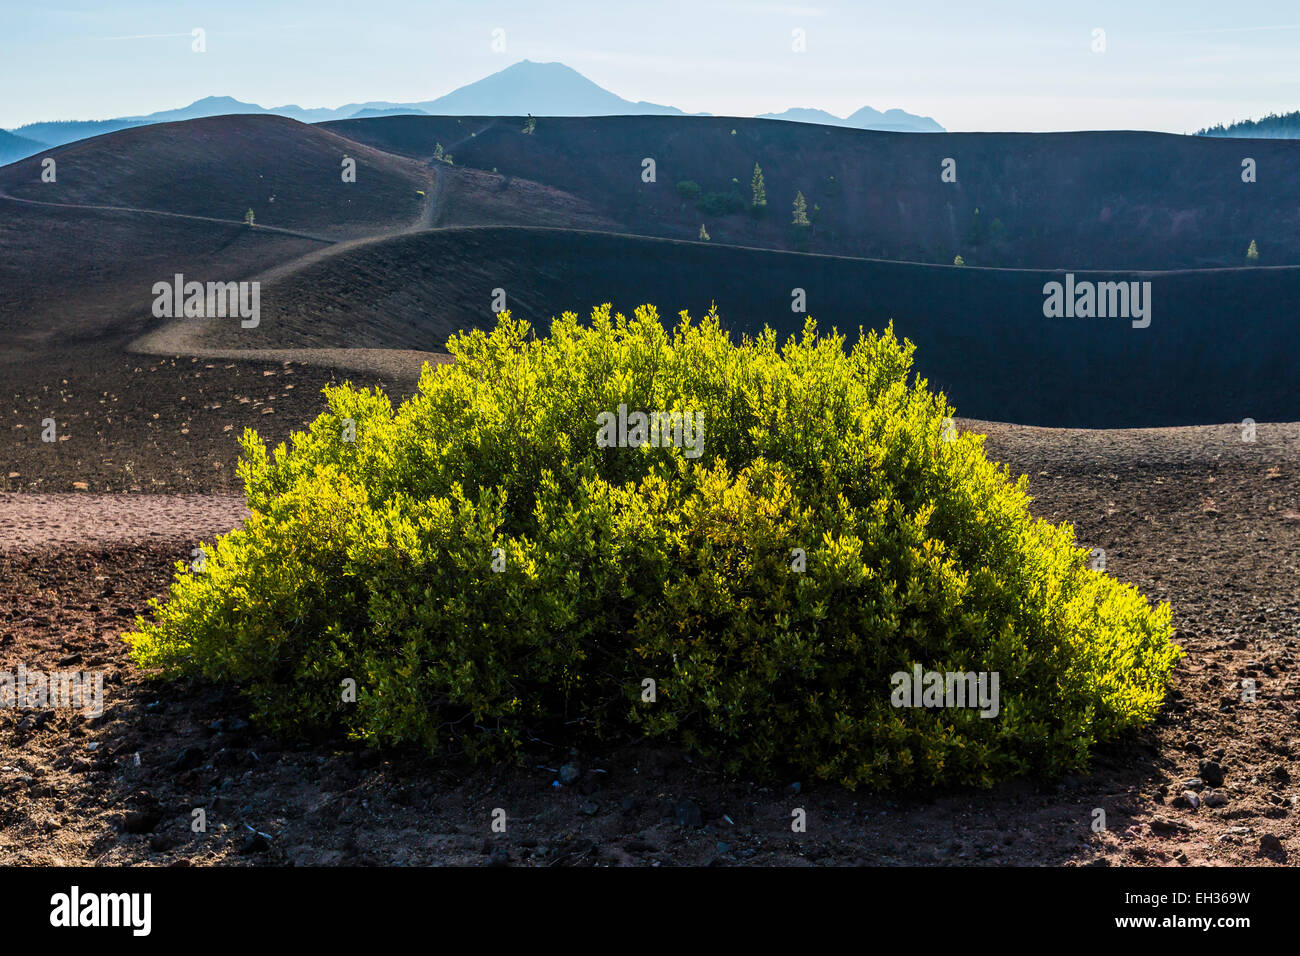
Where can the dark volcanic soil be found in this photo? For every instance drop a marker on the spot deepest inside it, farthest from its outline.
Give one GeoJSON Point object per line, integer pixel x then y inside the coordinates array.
{"type": "Point", "coordinates": [980, 334]}
{"type": "Point", "coordinates": [141, 423]}
{"type": "Point", "coordinates": [1090, 200]}
{"type": "Point", "coordinates": [142, 465]}
{"type": "Point", "coordinates": [288, 173]}
{"type": "Point", "coordinates": [1193, 516]}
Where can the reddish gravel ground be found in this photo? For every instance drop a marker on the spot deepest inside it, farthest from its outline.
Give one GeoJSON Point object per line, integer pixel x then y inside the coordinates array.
{"type": "Point", "coordinates": [1193, 516]}
{"type": "Point", "coordinates": [41, 523]}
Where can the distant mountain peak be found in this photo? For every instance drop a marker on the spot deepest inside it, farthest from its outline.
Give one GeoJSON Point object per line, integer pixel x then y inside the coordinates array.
{"type": "Point", "coordinates": [526, 63]}
{"type": "Point", "coordinates": [207, 106]}
{"type": "Point", "coordinates": [892, 120]}
{"type": "Point", "coordinates": [542, 88]}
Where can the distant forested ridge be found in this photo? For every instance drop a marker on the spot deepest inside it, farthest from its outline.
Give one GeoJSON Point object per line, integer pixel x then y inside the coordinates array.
{"type": "Point", "coordinates": [1272, 126]}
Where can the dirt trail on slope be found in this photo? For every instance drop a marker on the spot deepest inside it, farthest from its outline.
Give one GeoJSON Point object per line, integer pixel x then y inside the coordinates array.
{"type": "Point", "coordinates": [170, 215]}
{"type": "Point", "coordinates": [181, 336]}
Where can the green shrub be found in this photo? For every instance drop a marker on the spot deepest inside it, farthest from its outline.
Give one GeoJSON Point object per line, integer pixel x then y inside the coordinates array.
{"type": "Point", "coordinates": [721, 204]}
{"type": "Point", "coordinates": [711, 203]}
{"type": "Point", "coordinates": [374, 560]}
{"type": "Point", "coordinates": [689, 189]}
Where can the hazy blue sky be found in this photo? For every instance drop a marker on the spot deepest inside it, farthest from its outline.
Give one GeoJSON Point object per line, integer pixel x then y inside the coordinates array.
{"type": "Point", "coordinates": [995, 64]}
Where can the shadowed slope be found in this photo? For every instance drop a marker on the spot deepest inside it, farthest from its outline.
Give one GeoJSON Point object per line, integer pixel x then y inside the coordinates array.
{"type": "Point", "coordinates": [1101, 200]}
{"type": "Point", "coordinates": [288, 173]}
{"type": "Point", "coordinates": [981, 334]}
{"type": "Point", "coordinates": [74, 276]}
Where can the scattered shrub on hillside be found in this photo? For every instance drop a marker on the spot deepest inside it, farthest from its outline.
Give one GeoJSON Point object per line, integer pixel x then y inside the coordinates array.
{"type": "Point", "coordinates": [758, 189]}
{"type": "Point", "coordinates": [488, 568]}
{"type": "Point", "coordinates": [721, 204]}
{"type": "Point", "coordinates": [982, 232]}
{"type": "Point", "coordinates": [715, 204]}
{"type": "Point", "coordinates": [800, 210]}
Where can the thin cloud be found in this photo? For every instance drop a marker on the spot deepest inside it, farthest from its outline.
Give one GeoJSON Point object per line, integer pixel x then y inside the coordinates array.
{"type": "Point", "coordinates": [1178, 33]}
{"type": "Point", "coordinates": [786, 9]}
{"type": "Point", "coordinates": [150, 36]}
